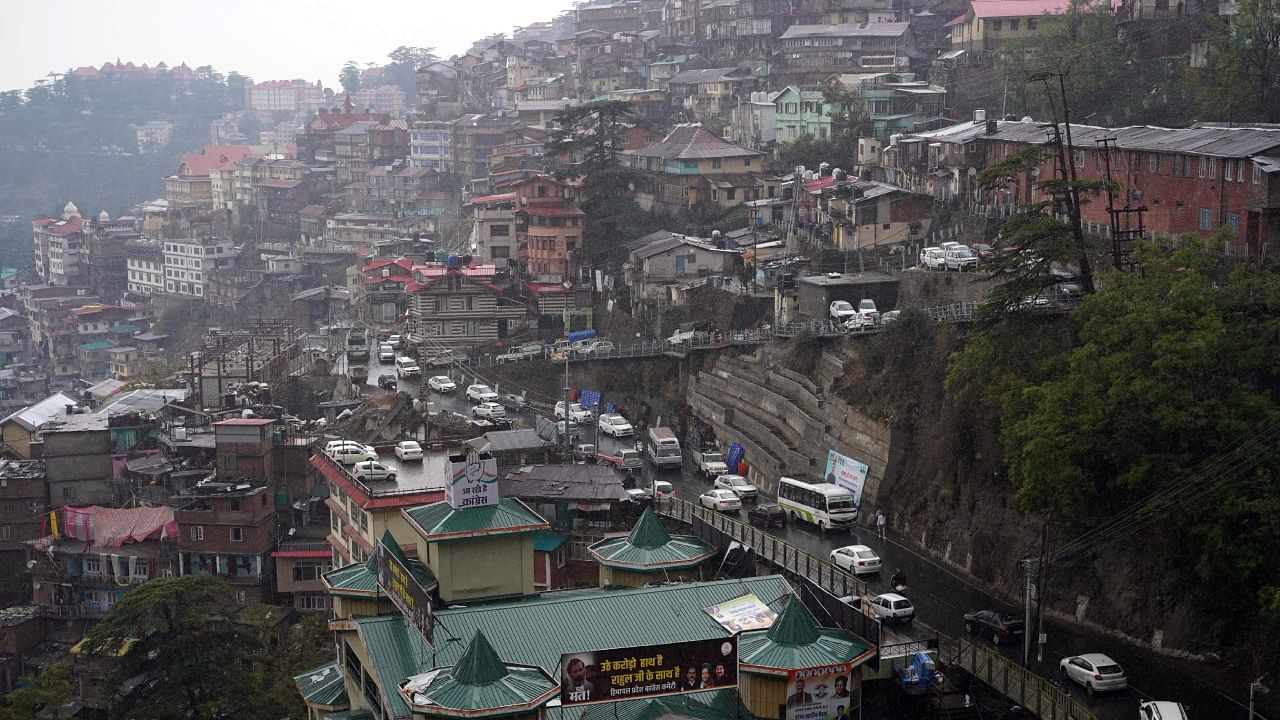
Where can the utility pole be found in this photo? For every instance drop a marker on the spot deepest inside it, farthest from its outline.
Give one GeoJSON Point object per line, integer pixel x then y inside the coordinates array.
{"type": "Point", "coordinates": [1069, 193]}
{"type": "Point", "coordinates": [1032, 568]}
{"type": "Point", "coordinates": [568, 435]}
{"type": "Point", "coordinates": [1122, 238]}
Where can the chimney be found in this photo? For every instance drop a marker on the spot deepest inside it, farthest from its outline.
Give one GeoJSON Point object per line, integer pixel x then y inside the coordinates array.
{"type": "Point", "coordinates": [71, 409]}
{"type": "Point", "coordinates": [992, 127]}
{"type": "Point", "coordinates": [979, 116]}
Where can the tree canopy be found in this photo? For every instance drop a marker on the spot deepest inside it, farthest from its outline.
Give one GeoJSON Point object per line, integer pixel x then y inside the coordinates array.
{"type": "Point", "coordinates": [1241, 80]}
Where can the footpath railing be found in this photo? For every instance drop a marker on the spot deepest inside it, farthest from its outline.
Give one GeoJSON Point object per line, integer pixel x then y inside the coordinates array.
{"type": "Point", "coordinates": [774, 550]}
{"type": "Point", "coordinates": [1002, 674]}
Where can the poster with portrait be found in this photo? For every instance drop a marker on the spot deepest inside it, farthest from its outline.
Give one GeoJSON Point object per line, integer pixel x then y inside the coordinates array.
{"type": "Point", "coordinates": [743, 613]}
{"type": "Point", "coordinates": [822, 693]}
{"type": "Point", "coordinates": [648, 671]}
{"type": "Point", "coordinates": [847, 473]}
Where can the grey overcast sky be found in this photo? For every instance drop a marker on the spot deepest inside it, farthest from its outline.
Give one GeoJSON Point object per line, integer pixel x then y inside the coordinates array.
{"type": "Point", "coordinates": [265, 39]}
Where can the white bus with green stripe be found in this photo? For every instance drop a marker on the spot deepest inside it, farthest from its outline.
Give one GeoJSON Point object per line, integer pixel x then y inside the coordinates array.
{"type": "Point", "coordinates": [828, 506]}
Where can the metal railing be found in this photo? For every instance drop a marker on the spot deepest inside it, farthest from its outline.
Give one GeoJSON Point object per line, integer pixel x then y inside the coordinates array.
{"type": "Point", "coordinates": [1004, 675]}
{"type": "Point", "coordinates": [774, 550]}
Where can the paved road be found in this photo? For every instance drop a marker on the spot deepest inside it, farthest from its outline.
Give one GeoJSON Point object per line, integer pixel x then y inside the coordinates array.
{"type": "Point", "coordinates": [940, 595]}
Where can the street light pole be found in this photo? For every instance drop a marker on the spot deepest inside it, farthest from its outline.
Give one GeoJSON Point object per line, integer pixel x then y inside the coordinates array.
{"type": "Point", "coordinates": [1255, 686]}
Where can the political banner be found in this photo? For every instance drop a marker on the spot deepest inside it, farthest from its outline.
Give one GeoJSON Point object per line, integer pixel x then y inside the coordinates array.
{"type": "Point", "coordinates": [847, 473]}
{"type": "Point", "coordinates": [405, 592]}
{"type": "Point", "coordinates": [747, 612]}
{"type": "Point", "coordinates": [734, 457]}
{"type": "Point", "coordinates": [821, 693]}
{"type": "Point", "coordinates": [589, 398]}
{"type": "Point", "coordinates": [472, 480]}
{"type": "Point", "coordinates": [649, 671]}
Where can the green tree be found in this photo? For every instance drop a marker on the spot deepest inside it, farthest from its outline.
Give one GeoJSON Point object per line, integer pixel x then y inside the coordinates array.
{"type": "Point", "coordinates": [590, 137]}
{"type": "Point", "coordinates": [1241, 82]}
{"type": "Point", "coordinates": [39, 697]}
{"type": "Point", "coordinates": [349, 77]}
{"type": "Point", "coordinates": [184, 644]}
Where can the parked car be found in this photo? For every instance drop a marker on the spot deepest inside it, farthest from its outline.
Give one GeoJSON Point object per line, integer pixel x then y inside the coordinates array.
{"type": "Point", "coordinates": [959, 259]}
{"type": "Point", "coordinates": [933, 259]}
{"type": "Point", "coordinates": [481, 394]}
{"type": "Point", "coordinates": [688, 333]}
{"type": "Point", "coordinates": [409, 450]}
{"type": "Point", "coordinates": [574, 430]}
{"type": "Point", "coordinates": [489, 410]}
{"type": "Point", "coordinates": [1095, 671]}
{"type": "Point", "coordinates": [890, 317]}
{"type": "Point", "coordinates": [983, 251]}
{"type": "Point", "coordinates": [579, 414]}
{"type": "Point", "coordinates": [1161, 710]}
{"type": "Point", "coordinates": [585, 451]}
{"type": "Point", "coordinates": [867, 309]}
{"type": "Point", "coordinates": [350, 452]}
{"type": "Point", "coordinates": [767, 516]}
{"type": "Point", "coordinates": [857, 559]}
{"type": "Point", "coordinates": [841, 310]}
{"type": "Point", "coordinates": [615, 425]}
{"type": "Point", "coordinates": [387, 381]}
{"type": "Point", "coordinates": [662, 490]}
{"type": "Point", "coordinates": [513, 402]}
{"type": "Point", "coordinates": [893, 607]}
{"type": "Point", "coordinates": [441, 383]}
{"type": "Point", "coordinates": [739, 486]}
{"type": "Point", "coordinates": [1000, 627]}
{"type": "Point", "coordinates": [396, 341]}
{"type": "Point", "coordinates": [512, 356]}
{"type": "Point", "coordinates": [722, 500]}
{"type": "Point", "coordinates": [372, 470]}
{"type": "Point", "coordinates": [711, 464]}
{"type": "Point", "coordinates": [859, 323]}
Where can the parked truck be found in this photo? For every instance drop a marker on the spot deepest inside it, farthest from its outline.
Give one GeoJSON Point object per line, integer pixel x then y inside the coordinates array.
{"type": "Point", "coordinates": [357, 345]}
{"type": "Point", "coordinates": [359, 374]}
{"type": "Point", "coordinates": [663, 449]}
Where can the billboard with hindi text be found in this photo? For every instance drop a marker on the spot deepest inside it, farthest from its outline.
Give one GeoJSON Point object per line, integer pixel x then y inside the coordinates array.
{"type": "Point", "coordinates": [649, 671]}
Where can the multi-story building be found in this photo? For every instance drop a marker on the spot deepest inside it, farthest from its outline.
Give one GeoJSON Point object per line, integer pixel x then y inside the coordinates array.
{"type": "Point", "coordinates": [387, 99]}
{"type": "Point", "coordinates": [461, 306]}
{"type": "Point", "coordinates": [24, 498]}
{"type": "Point", "coordinates": [430, 145]}
{"type": "Point", "coordinates": [548, 227]}
{"type": "Point", "coordinates": [610, 16]}
{"type": "Point", "coordinates": [187, 263]}
{"type": "Point", "coordinates": [227, 529]}
{"type": "Point", "coordinates": [316, 140]}
{"type": "Point", "coordinates": [51, 312]}
{"type": "Point", "coordinates": [474, 137]}
{"type": "Point", "coordinates": [153, 135]}
{"type": "Point", "coordinates": [662, 259]}
{"type": "Point", "coordinates": [439, 91]}
{"type": "Point", "coordinates": [710, 93]}
{"type": "Point", "coordinates": [985, 25]}
{"type": "Point", "coordinates": [861, 46]}
{"type": "Point", "coordinates": [191, 188]}
{"type": "Point", "coordinates": [105, 257]}
{"type": "Point", "coordinates": [20, 430]}
{"type": "Point", "coordinates": [493, 227]}
{"type": "Point", "coordinates": [1190, 180]}
{"type": "Point", "coordinates": [60, 247]}
{"type": "Point", "coordinates": [691, 166]}
{"type": "Point", "coordinates": [800, 111]}
{"type": "Point", "coordinates": [15, 338]}
{"type": "Point", "coordinates": [289, 96]}
{"type": "Point", "coordinates": [360, 511]}
{"type": "Point", "coordinates": [754, 122]}
{"type": "Point", "coordinates": [144, 262]}
{"type": "Point", "coordinates": [245, 448]}
{"type": "Point", "coordinates": [300, 566]}
{"type": "Point", "coordinates": [77, 459]}
{"type": "Point", "coordinates": [897, 102]}
{"type": "Point", "coordinates": [97, 555]}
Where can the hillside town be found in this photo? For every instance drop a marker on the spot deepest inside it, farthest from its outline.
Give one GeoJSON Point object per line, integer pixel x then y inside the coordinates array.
{"type": "Point", "coordinates": [568, 378]}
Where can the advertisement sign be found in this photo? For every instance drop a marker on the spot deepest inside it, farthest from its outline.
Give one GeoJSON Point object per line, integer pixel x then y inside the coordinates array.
{"type": "Point", "coordinates": [639, 672]}
{"type": "Point", "coordinates": [742, 613]}
{"type": "Point", "coordinates": [404, 591]}
{"type": "Point", "coordinates": [734, 457]}
{"type": "Point", "coordinates": [472, 480]}
{"type": "Point", "coordinates": [589, 399]}
{"type": "Point", "coordinates": [847, 473]}
{"type": "Point", "coordinates": [821, 693]}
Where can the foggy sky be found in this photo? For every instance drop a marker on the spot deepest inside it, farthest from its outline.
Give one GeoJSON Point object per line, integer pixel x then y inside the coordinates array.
{"type": "Point", "coordinates": [265, 39]}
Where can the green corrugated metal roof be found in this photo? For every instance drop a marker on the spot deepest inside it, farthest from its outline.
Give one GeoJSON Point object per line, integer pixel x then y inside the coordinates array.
{"type": "Point", "coordinates": [795, 641]}
{"type": "Point", "coordinates": [481, 681]}
{"type": "Point", "coordinates": [396, 652]}
{"type": "Point", "coordinates": [348, 715]}
{"type": "Point", "coordinates": [357, 578]}
{"type": "Point", "coordinates": [98, 345]}
{"type": "Point", "coordinates": [548, 541]}
{"type": "Point", "coordinates": [417, 569]}
{"type": "Point", "coordinates": [648, 532]}
{"type": "Point", "coordinates": [680, 551]}
{"type": "Point", "coordinates": [322, 685]}
{"type": "Point", "coordinates": [508, 516]}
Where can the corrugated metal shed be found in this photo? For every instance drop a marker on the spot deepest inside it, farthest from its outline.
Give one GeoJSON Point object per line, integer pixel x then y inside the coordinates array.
{"type": "Point", "coordinates": [1210, 141]}
{"type": "Point", "coordinates": [322, 685]}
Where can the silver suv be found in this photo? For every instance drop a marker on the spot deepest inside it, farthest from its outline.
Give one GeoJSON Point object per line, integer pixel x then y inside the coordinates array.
{"type": "Point", "coordinates": [960, 258]}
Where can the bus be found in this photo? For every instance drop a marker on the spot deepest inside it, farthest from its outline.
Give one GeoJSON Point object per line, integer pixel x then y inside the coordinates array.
{"type": "Point", "coordinates": [823, 504]}
{"type": "Point", "coordinates": [663, 449]}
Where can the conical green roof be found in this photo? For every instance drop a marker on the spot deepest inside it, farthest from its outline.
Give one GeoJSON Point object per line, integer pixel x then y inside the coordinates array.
{"type": "Point", "coordinates": [389, 542]}
{"type": "Point", "coordinates": [480, 664]}
{"type": "Point", "coordinates": [648, 532]}
{"type": "Point", "coordinates": [794, 626]}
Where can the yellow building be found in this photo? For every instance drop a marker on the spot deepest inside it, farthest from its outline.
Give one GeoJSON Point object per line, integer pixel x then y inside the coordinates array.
{"type": "Point", "coordinates": [987, 24]}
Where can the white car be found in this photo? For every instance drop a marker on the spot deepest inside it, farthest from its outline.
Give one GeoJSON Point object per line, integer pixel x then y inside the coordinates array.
{"type": "Point", "coordinates": [1095, 671]}
{"type": "Point", "coordinates": [722, 500]}
{"type": "Point", "coordinates": [1161, 710]}
{"type": "Point", "coordinates": [578, 413]}
{"type": "Point", "coordinates": [933, 259]}
{"type": "Point", "coordinates": [959, 259]}
{"type": "Point", "coordinates": [489, 410]}
{"type": "Point", "coordinates": [407, 367]}
{"type": "Point", "coordinates": [857, 559]}
{"type": "Point", "coordinates": [599, 347]}
{"type": "Point", "coordinates": [442, 383]}
{"type": "Point", "coordinates": [739, 486]}
{"type": "Point", "coordinates": [372, 470]}
{"type": "Point", "coordinates": [350, 452]}
{"type": "Point", "coordinates": [893, 607]}
{"type": "Point", "coordinates": [481, 394]}
{"type": "Point", "coordinates": [409, 450]}
{"type": "Point", "coordinates": [396, 341]}
{"type": "Point", "coordinates": [711, 463]}
{"type": "Point", "coordinates": [841, 311]}
{"type": "Point", "coordinates": [386, 354]}
{"type": "Point", "coordinates": [615, 426]}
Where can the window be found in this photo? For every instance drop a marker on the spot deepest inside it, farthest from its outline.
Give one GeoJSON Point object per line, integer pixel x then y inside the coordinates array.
{"type": "Point", "coordinates": [311, 602]}
{"type": "Point", "coordinates": [1013, 24]}
{"type": "Point", "coordinates": [197, 533]}
{"type": "Point", "coordinates": [715, 163]}
{"type": "Point", "coordinates": [1204, 167]}
{"type": "Point", "coordinates": [235, 505]}
{"type": "Point", "coordinates": [69, 494]}
{"type": "Point", "coordinates": [996, 25]}
{"type": "Point", "coordinates": [500, 231]}
{"type": "Point", "coordinates": [1079, 159]}
{"type": "Point", "coordinates": [4, 532]}
{"type": "Point", "coordinates": [1153, 162]}
{"type": "Point", "coordinates": [92, 566]}
{"type": "Point", "coordinates": [1228, 170]}
{"type": "Point", "coordinates": [237, 534]}
{"type": "Point", "coordinates": [1182, 165]}
{"type": "Point", "coordinates": [1257, 174]}
{"type": "Point", "coordinates": [1233, 222]}
{"type": "Point", "coordinates": [1206, 219]}
{"type": "Point", "coordinates": [501, 252]}
{"type": "Point", "coordinates": [306, 570]}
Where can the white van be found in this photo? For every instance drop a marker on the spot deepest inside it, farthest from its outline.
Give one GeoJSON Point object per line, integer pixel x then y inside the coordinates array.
{"type": "Point", "coordinates": [407, 367]}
